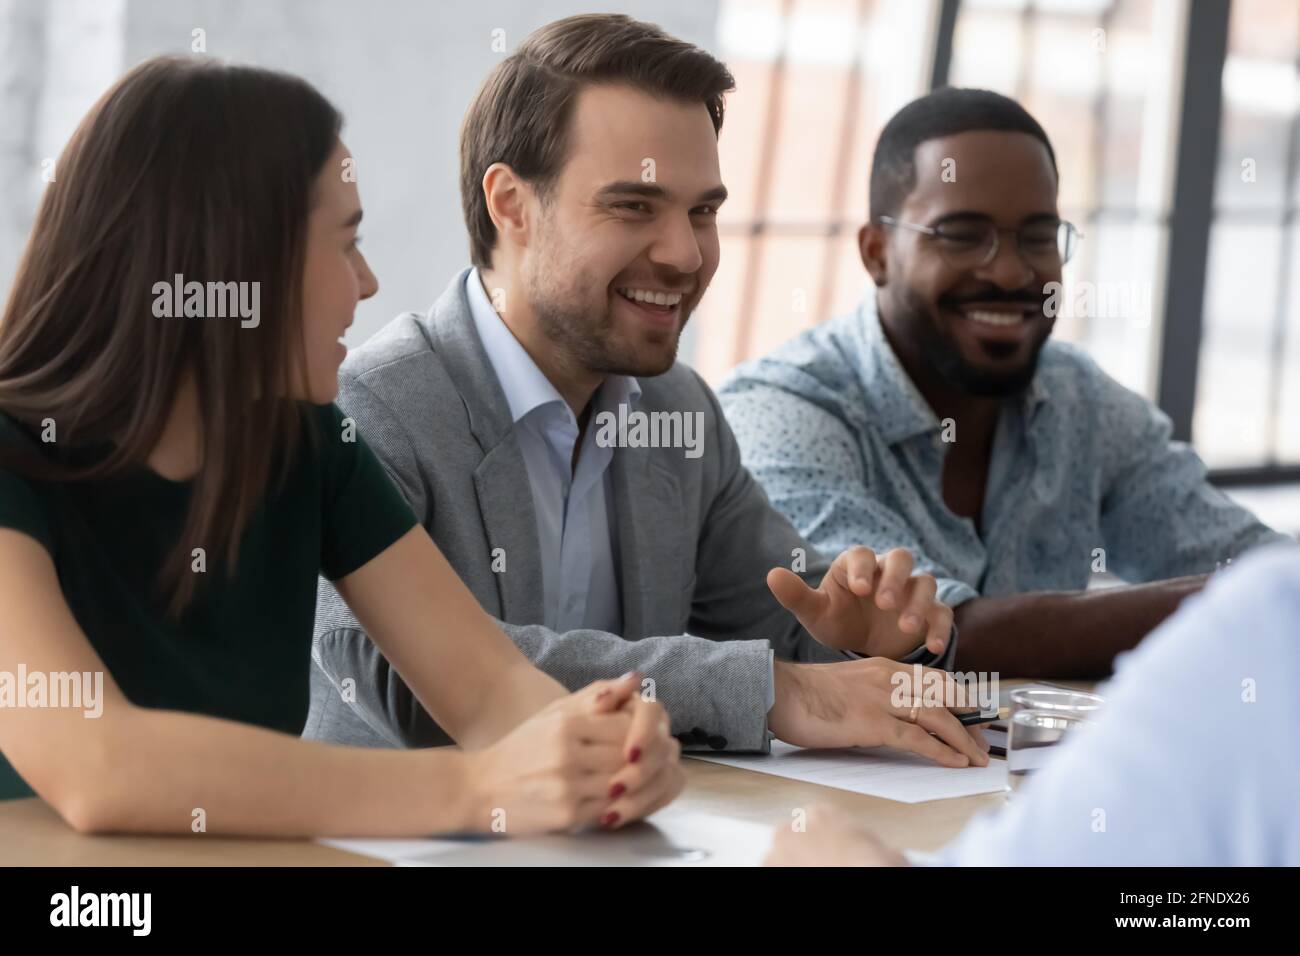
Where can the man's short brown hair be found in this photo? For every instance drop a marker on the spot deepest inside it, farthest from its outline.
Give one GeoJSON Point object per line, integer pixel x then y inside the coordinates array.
{"type": "Point", "coordinates": [520, 116]}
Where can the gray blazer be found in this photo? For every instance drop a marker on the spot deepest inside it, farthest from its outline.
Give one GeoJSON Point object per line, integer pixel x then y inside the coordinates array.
{"type": "Point", "coordinates": [696, 536]}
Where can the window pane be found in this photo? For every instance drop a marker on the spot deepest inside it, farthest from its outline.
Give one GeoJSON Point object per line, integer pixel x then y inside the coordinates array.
{"type": "Point", "coordinates": [826, 118]}
{"type": "Point", "coordinates": [1231, 399]}
{"type": "Point", "coordinates": [893, 72]}
{"type": "Point", "coordinates": [790, 273]}
{"type": "Point", "coordinates": [1235, 377]}
{"type": "Point", "coordinates": [717, 319]}
{"type": "Point", "coordinates": [1252, 171]}
{"type": "Point", "coordinates": [821, 44]}
{"type": "Point", "coordinates": [1264, 28]}
{"type": "Point", "coordinates": [986, 49]}
{"type": "Point", "coordinates": [749, 36]}
{"type": "Point", "coordinates": [1071, 126]}
{"type": "Point", "coordinates": [1260, 98]}
{"type": "Point", "coordinates": [1246, 401]}
{"type": "Point", "coordinates": [1287, 428]}
{"type": "Point", "coordinates": [1122, 153]}
{"type": "Point", "coordinates": [807, 150]}
{"type": "Point", "coordinates": [1118, 277]}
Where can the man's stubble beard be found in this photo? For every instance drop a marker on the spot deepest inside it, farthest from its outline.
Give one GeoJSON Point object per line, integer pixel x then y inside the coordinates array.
{"type": "Point", "coordinates": [940, 351]}
{"type": "Point", "coordinates": [584, 335]}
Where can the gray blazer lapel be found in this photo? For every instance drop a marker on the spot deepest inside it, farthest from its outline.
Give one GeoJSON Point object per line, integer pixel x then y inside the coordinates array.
{"type": "Point", "coordinates": [505, 503]}
{"type": "Point", "coordinates": [654, 567]}
{"type": "Point", "coordinates": [451, 331]}
{"type": "Point", "coordinates": [505, 498]}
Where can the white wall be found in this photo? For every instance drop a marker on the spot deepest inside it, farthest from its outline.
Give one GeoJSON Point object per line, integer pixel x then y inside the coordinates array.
{"type": "Point", "coordinates": [402, 72]}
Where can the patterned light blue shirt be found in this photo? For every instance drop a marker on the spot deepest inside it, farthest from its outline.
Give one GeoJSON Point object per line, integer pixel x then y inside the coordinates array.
{"type": "Point", "coordinates": [1083, 475]}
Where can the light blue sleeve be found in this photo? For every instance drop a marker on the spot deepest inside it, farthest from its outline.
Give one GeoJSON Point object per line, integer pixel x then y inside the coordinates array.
{"type": "Point", "coordinates": [1160, 517]}
{"type": "Point", "coordinates": [809, 464]}
{"type": "Point", "coordinates": [1197, 759]}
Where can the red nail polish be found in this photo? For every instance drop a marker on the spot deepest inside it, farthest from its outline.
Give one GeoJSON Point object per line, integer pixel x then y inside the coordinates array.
{"type": "Point", "coordinates": [617, 791]}
{"type": "Point", "coordinates": [635, 755]}
{"type": "Point", "coordinates": [609, 819]}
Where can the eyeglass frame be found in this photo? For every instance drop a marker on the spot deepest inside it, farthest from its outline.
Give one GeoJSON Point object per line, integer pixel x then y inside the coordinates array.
{"type": "Point", "coordinates": [997, 232]}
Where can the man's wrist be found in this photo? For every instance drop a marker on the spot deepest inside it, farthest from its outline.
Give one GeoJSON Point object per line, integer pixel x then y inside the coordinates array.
{"type": "Point", "coordinates": [928, 658]}
{"type": "Point", "coordinates": [789, 687]}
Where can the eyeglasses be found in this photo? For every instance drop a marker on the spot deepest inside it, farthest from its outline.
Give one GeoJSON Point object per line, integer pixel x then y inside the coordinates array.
{"type": "Point", "coordinates": [970, 244]}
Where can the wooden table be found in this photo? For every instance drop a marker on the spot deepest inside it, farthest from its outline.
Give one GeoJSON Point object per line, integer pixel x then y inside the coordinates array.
{"type": "Point", "coordinates": [32, 834]}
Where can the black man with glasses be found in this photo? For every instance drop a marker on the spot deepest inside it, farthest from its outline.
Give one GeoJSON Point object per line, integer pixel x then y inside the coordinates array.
{"type": "Point", "coordinates": [940, 417]}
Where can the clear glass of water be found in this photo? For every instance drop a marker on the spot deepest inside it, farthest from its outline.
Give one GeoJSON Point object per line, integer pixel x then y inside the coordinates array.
{"type": "Point", "coordinates": [1042, 717]}
{"type": "Point", "coordinates": [1080, 703]}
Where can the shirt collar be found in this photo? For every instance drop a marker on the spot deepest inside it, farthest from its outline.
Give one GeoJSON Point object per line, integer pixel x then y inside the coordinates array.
{"type": "Point", "coordinates": [900, 411]}
{"type": "Point", "coordinates": [526, 387]}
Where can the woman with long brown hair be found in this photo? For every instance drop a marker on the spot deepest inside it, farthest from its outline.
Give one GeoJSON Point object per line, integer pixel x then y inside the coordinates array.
{"type": "Point", "coordinates": [174, 476]}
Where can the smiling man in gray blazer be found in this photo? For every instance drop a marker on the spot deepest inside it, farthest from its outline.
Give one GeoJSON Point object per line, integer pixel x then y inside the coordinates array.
{"type": "Point", "coordinates": [583, 484]}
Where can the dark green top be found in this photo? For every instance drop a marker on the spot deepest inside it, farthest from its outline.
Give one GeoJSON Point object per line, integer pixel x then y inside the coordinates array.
{"type": "Point", "coordinates": [242, 650]}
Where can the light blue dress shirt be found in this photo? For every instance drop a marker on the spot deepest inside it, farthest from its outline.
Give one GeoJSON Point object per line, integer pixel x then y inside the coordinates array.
{"type": "Point", "coordinates": [576, 526]}
{"type": "Point", "coordinates": [1083, 474]}
{"type": "Point", "coordinates": [1196, 760]}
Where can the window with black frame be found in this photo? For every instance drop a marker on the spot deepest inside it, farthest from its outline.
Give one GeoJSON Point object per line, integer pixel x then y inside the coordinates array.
{"type": "Point", "coordinates": [815, 82]}
{"type": "Point", "coordinates": [1248, 376]}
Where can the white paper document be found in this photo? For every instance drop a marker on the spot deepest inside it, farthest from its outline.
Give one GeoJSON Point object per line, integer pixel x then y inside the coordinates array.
{"type": "Point", "coordinates": [890, 774]}
{"type": "Point", "coordinates": [669, 838]}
